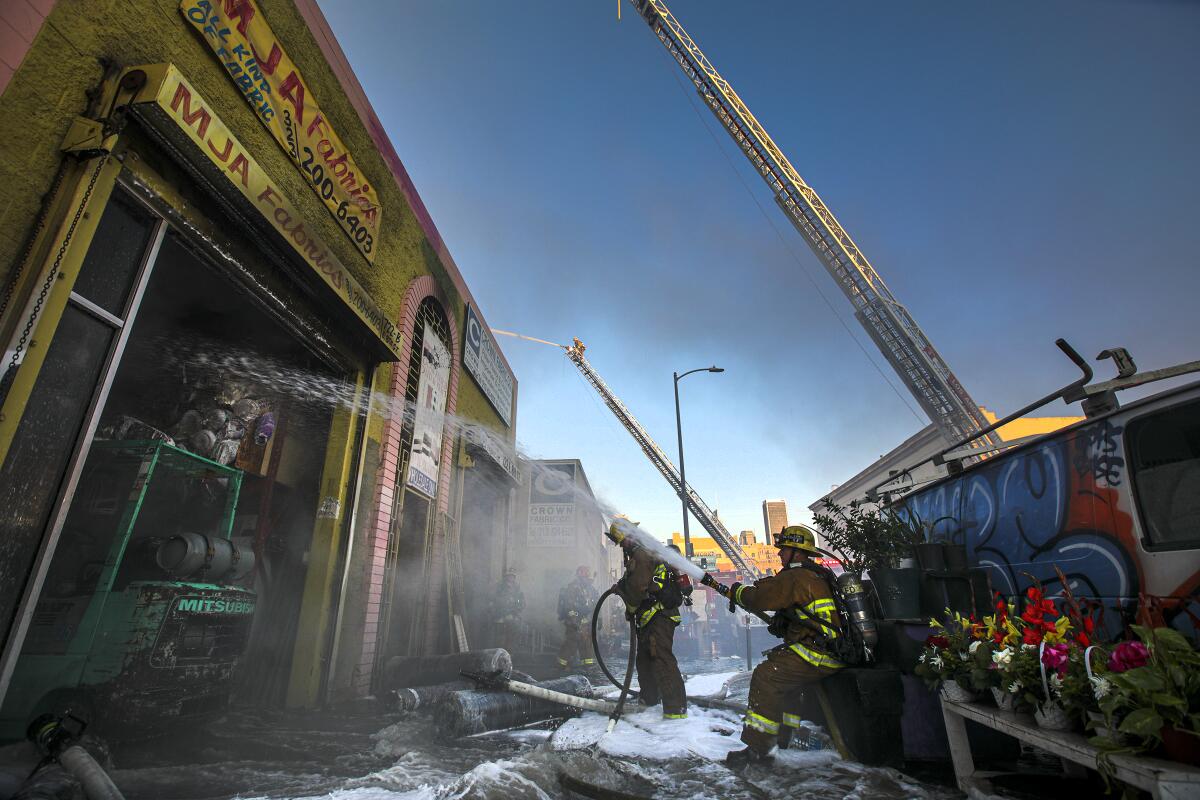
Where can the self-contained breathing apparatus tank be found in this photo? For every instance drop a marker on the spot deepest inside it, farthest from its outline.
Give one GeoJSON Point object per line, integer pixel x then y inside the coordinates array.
{"type": "Point", "coordinates": [853, 596]}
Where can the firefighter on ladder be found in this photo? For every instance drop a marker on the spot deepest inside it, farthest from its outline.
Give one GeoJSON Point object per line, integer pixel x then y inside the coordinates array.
{"type": "Point", "coordinates": [653, 593]}
{"type": "Point", "coordinates": [575, 603]}
{"type": "Point", "coordinates": [807, 620]}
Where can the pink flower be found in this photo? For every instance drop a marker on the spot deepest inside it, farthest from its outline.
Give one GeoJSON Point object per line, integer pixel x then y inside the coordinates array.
{"type": "Point", "coordinates": [1055, 657]}
{"type": "Point", "coordinates": [1127, 656]}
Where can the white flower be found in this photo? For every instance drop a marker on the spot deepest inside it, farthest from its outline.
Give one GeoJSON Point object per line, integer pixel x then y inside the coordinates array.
{"type": "Point", "coordinates": [1100, 686]}
{"type": "Point", "coordinates": [1029, 647]}
{"type": "Point", "coordinates": [1056, 685]}
{"type": "Point", "coordinates": [1014, 687]}
{"type": "Point", "coordinates": [963, 656]}
{"type": "Point", "coordinates": [921, 658]}
{"type": "Point", "coordinates": [1002, 658]}
{"type": "Point", "coordinates": [974, 646]}
{"type": "Point", "coordinates": [936, 662]}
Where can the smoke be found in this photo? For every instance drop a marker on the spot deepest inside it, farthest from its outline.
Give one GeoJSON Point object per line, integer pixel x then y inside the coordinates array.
{"type": "Point", "coordinates": [668, 555]}
{"type": "Point", "coordinates": [211, 363]}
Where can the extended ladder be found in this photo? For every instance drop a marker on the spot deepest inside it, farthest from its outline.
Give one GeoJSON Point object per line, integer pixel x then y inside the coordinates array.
{"type": "Point", "coordinates": [708, 518]}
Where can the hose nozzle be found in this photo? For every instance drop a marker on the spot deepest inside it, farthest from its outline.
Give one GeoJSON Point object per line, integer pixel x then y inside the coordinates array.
{"type": "Point", "coordinates": [711, 582]}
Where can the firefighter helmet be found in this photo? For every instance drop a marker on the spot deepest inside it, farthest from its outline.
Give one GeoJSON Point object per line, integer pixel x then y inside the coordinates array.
{"type": "Point", "coordinates": [800, 537]}
{"type": "Point", "coordinates": [620, 529]}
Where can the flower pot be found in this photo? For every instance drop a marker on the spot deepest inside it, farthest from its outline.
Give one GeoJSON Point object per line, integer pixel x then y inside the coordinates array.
{"type": "Point", "coordinates": [956, 556]}
{"type": "Point", "coordinates": [1004, 700]}
{"type": "Point", "coordinates": [899, 592]}
{"type": "Point", "coordinates": [931, 555]}
{"type": "Point", "coordinates": [1051, 716]}
{"type": "Point", "coordinates": [956, 693]}
{"type": "Point", "coordinates": [1181, 746]}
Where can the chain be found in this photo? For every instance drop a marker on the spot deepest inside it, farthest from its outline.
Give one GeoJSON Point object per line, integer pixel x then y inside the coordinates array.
{"type": "Point", "coordinates": [11, 371]}
{"type": "Point", "coordinates": [11, 288]}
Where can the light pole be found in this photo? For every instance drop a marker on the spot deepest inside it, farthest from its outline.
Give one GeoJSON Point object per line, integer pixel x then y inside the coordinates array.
{"type": "Point", "coordinates": [687, 542]}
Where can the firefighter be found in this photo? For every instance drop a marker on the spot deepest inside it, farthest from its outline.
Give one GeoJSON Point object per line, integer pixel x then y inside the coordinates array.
{"type": "Point", "coordinates": [507, 608]}
{"type": "Point", "coordinates": [575, 604]}
{"type": "Point", "coordinates": [653, 593]}
{"type": "Point", "coordinates": [807, 620]}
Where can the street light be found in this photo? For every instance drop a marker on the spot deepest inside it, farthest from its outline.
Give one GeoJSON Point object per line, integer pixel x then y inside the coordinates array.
{"type": "Point", "coordinates": [687, 542]}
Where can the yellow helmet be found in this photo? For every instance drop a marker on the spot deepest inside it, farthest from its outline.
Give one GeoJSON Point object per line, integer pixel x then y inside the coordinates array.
{"type": "Point", "coordinates": [800, 537]}
{"type": "Point", "coordinates": [618, 531]}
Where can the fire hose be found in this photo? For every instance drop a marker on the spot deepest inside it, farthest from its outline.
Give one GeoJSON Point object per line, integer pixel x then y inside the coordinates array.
{"type": "Point", "coordinates": [58, 742]}
{"type": "Point", "coordinates": [625, 692]}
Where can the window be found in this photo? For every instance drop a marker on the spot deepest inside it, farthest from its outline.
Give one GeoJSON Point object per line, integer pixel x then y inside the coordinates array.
{"type": "Point", "coordinates": [1164, 450]}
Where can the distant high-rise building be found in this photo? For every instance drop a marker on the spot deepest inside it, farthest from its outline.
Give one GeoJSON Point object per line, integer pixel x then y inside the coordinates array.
{"type": "Point", "coordinates": [774, 517]}
{"type": "Point", "coordinates": [746, 538]}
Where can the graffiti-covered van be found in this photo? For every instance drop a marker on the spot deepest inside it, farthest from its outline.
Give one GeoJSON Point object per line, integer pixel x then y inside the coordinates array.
{"type": "Point", "coordinates": [1112, 501]}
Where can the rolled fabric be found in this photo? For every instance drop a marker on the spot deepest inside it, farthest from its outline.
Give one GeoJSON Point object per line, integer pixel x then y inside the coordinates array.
{"type": "Point", "coordinates": [265, 429]}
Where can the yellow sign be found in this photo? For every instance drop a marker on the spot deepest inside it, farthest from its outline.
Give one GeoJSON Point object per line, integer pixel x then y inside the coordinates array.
{"type": "Point", "coordinates": [170, 92]}
{"type": "Point", "coordinates": [283, 102]}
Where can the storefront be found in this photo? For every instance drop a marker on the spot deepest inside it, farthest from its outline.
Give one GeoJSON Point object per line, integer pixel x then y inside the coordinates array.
{"type": "Point", "coordinates": [231, 353]}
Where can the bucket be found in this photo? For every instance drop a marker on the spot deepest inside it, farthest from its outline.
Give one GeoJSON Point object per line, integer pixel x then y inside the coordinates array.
{"type": "Point", "coordinates": [931, 555]}
{"type": "Point", "coordinates": [899, 592]}
{"type": "Point", "coordinates": [182, 555]}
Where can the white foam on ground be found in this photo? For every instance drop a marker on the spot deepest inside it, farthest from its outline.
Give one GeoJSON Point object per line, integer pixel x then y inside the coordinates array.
{"type": "Point", "coordinates": [707, 733]}
{"type": "Point", "coordinates": [708, 685]}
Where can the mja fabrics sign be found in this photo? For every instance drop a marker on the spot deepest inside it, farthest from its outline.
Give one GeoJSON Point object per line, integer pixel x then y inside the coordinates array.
{"type": "Point", "coordinates": [552, 506]}
{"type": "Point", "coordinates": [240, 37]}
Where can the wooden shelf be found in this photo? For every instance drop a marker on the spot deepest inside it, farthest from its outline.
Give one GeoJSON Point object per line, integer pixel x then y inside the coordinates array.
{"type": "Point", "coordinates": [1165, 780]}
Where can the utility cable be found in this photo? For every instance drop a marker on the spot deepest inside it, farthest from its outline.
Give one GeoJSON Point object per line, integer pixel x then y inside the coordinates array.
{"type": "Point", "coordinates": [787, 245]}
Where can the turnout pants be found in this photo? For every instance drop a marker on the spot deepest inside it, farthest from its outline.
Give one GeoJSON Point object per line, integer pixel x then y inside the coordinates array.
{"type": "Point", "coordinates": [577, 645]}
{"type": "Point", "coordinates": [776, 689]}
{"type": "Point", "coordinates": [657, 669]}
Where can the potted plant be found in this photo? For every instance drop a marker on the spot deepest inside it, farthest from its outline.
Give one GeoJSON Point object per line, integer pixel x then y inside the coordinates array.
{"type": "Point", "coordinates": [873, 541]}
{"type": "Point", "coordinates": [1151, 693]}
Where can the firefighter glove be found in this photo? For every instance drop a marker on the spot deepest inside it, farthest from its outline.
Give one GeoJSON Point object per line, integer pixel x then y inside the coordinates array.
{"type": "Point", "coordinates": [733, 590]}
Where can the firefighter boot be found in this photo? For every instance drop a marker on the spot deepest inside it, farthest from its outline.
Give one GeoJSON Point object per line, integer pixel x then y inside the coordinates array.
{"type": "Point", "coordinates": [740, 759]}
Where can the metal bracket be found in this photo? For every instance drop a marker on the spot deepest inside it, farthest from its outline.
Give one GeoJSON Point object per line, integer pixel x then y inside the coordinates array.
{"type": "Point", "coordinates": [87, 138]}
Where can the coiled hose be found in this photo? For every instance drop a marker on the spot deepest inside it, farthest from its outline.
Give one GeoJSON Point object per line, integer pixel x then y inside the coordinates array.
{"type": "Point", "coordinates": [625, 692]}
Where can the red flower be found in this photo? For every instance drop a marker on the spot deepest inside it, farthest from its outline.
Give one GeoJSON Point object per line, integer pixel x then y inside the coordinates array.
{"type": "Point", "coordinates": [1055, 657]}
{"type": "Point", "coordinates": [1032, 636]}
{"type": "Point", "coordinates": [1127, 656]}
{"type": "Point", "coordinates": [937, 641]}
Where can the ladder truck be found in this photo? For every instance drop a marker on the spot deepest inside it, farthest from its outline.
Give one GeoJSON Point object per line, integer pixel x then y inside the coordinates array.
{"type": "Point", "coordinates": [888, 323]}
{"type": "Point", "coordinates": [706, 516]}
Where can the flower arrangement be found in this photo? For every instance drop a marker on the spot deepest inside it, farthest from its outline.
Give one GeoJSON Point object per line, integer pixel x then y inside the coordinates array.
{"type": "Point", "coordinates": [1136, 695]}
{"type": "Point", "coordinates": [956, 653]}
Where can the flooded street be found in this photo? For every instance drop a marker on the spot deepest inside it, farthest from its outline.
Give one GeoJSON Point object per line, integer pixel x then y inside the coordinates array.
{"type": "Point", "coordinates": [357, 756]}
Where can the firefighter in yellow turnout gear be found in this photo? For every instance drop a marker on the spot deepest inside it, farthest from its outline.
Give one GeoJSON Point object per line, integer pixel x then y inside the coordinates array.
{"type": "Point", "coordinates": [806, 618]}
{"type": "Point", "coordinates": [653, 592]}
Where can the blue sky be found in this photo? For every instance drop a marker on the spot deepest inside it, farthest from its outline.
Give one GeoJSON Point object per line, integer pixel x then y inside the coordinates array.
{"type": "Point", "coordinates": [1015, 172]}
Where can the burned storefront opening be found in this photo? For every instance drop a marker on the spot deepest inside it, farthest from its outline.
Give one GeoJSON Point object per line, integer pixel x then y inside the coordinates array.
{"type": "Point", "coordinates": [227, 411]}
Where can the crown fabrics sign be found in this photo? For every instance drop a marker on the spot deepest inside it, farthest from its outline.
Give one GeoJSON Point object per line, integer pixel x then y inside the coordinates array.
{"type": "Point", "coordinates": [482, 360]}
{"type": "Point", "coordinates": [258, 65]}
{"type": "Point", "coordinates": [425, 458]}
{"type": "Point", "coordinates": [551, 506]}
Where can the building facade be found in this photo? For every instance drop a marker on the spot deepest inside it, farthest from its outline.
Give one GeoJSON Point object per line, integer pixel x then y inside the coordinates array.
{"type": "Point", "coordinates": [251, 414]}
{"type": "Point", "coordinates": [558, 529]}
{"type": "Point", "coordinates": [911, 458]}
{"type": "Point", "coordinates": [775, 517]}
{"type": "Point", "coordinates": [762, 555]}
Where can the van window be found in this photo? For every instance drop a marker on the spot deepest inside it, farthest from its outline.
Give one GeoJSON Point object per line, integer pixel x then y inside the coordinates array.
{"type": "Point", "coordinates": [1164, 453]}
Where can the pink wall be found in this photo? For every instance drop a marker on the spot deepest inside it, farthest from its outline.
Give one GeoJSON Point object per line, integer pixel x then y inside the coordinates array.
{"type": "Point", "coordinates": [20, 21]}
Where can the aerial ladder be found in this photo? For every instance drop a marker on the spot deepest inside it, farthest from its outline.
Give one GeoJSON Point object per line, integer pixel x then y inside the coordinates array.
{"type": "Point", "coordinates": [706, 516]}
{"type": "Point", "coordinates": [887, 322]}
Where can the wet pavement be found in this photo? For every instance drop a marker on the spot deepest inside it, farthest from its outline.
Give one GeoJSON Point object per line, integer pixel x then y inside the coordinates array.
{"type": "Point", "coordinates": [355, 756]}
